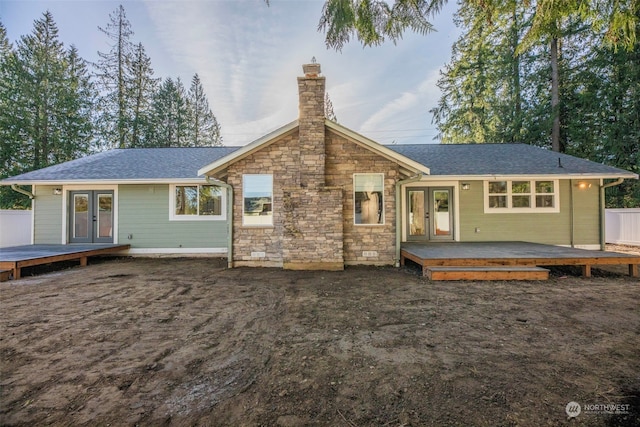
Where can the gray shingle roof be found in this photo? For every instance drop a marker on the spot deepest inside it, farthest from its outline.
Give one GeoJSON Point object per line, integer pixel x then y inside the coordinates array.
{"type": "Point", "coordinates": [501, 159]}
{"type": "Point", "coordinates": [131, 164]}
{"type": "Point", "coordinates": [168, 164]}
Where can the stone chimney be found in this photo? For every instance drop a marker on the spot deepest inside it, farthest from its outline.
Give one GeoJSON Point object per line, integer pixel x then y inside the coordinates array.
{"type": "Point", "coordinates": [311, 89]}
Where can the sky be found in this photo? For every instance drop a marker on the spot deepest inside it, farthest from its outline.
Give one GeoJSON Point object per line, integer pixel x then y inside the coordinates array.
{"type": "Point", "coordinates": [248, 55]}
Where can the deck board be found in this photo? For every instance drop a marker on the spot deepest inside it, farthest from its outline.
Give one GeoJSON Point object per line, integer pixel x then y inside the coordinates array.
{"type": "Point", "coordinates": [478, 254]}
{"type": "Point", "coordinates": [17, 257]}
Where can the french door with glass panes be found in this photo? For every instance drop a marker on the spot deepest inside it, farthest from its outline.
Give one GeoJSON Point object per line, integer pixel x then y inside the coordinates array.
{"type": "Point", "coordinates": [429, 214]}
{"type": "Point", "coordinates": [91, 216]}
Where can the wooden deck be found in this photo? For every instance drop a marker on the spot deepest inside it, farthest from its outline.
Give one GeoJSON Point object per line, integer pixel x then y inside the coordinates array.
{"type": "Point", "coordinates": [516, 254]}
{"type": "Point", "coordinates": [15, 258]}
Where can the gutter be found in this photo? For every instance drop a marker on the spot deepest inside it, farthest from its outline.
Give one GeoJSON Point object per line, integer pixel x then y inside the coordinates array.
{"type": "Point", "coordinates": [229, 219]}
{"type": "Point", "coordinates": [17, 189]}
{"type": "Point", "coordinates": [603, 243]}
{"type": "Point", "coordinates": [399, 184]}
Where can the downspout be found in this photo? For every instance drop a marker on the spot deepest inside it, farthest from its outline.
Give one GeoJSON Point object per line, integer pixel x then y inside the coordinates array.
{"type": "Point", "coordinates": [571, 215]}
{"type": "Point", "coordinates": [603, 243]}
{"type": "Point", "coordinates": [17, 189]}
{"type": "Point", "coordinates": [399, 184]}
{"type": "Point", "coordinates": [229, 219]}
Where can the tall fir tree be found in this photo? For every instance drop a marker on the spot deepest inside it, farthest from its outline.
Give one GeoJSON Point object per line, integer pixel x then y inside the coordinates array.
{"type": "Point", "coordinates": [115, 78]}
{"type": "Point", "coordinates": [143, 86]}
{"type": "Point", "coordinates": [170, 117]}
{"type": "Point", "coordinates": [47, 99]}
{"type": "Point", "coordinates": [204, 129]}
{"type": "Point", "coordinates": [328, 109]}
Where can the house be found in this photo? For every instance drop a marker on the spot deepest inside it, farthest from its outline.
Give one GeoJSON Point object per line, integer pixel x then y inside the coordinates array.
{"type": "Point", "coordinates": [314, 194]}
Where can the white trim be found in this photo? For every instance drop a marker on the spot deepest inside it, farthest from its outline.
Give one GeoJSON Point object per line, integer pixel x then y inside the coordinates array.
{"type": "Point", "coordinates": [271, 224]}
{"type": "Point", "coordinates": [80, 187]}
{"type": "Point", "coordinates": [176, 251]}
{"type": "Point", "coordinates": [172, 205]}
{"type": "Point", "coordinates": [107, 181]}
{"type": "Point", "coordinates": [516, 177]}
{"type": "Point", "coordinates": [532, 197]}
{"type": "Point", "coordinates": [434, 184]}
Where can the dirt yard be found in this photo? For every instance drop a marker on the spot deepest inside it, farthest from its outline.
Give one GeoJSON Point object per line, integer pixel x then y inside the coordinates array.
{"type": "Point", "coordinates": [128, 342]}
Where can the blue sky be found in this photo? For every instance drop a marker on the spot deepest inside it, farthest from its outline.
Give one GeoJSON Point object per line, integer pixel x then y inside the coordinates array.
{"type": "Point", "coordinates": [248, 56]}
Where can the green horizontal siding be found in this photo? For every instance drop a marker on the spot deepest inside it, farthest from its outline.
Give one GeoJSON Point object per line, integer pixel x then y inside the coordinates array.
{"type": "Point", "coordinates": [144, 213]}
{"type": "Point", "coordinates": [548, 228]}
{"type": "Point", "coordinates": [47, 216]}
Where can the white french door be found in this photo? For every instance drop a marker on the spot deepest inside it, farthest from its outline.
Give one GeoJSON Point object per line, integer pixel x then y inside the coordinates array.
{"type": "Point", "coordinates": [429, 214]}
{"type": "Point", "coordinates": [91, 216]}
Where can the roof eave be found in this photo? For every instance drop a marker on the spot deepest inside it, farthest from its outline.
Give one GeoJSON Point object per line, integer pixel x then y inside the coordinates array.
{"type": "Point", "coordinates": [199, 179]}
{"type": "Point", "coordinates": [540, 175]}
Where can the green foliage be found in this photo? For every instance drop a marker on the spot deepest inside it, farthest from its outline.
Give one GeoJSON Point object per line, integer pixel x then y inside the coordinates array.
{"type": "Point", "coordinates": [204, 130]}
{"type": "Point", "coordinates": [374, 21]}
{"type": "Point", "coordinates": [53, 108]}
{"type": "Point", "coordinates": [46, 104]}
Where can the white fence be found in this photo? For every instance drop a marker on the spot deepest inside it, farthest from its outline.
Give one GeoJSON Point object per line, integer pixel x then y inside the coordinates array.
{"type": "Point", "coordinates": [15, 228]}
{"type": "Point", "coordinates": [622, 226]}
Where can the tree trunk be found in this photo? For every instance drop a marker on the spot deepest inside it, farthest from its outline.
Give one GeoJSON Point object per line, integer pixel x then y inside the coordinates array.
{"type": "Point", "coordinates": [555, 96]}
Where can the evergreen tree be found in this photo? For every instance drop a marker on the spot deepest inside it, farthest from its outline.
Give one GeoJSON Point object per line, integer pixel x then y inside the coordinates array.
{"type": "Point", "coordinates": [46, 99]}
{"type": "Point", "coordinates": [328, 108]}
{"type": "Point", "coordinates": [481, 87]}
{"type": "Point", "coordinates": [12, 149]}
{"type": "Point", "coordinates": [204, 129]}
{"type": "Point", "coordinates": [115, 77]}
{"type": "Point", "coordinates": [143, 88]}
{"type": "Point", "coordinates": [170, 117]}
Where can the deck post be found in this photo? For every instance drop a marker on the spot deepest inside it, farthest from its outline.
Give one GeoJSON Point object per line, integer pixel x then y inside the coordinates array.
{"type": "Point", "coordinates": [586, 270]}
{"type": "Point", "coordinates": [633, 270]}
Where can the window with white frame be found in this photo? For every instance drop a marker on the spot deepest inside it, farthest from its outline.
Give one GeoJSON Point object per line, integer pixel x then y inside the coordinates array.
{"type": "Point", "coordinates": [197, 202]}
{"type": "Point", "coordinates": [257, 204]}
{"type": "Point", "coordinates": [368, 193]}
{"type": "Point", "coordinates": [523, 195]}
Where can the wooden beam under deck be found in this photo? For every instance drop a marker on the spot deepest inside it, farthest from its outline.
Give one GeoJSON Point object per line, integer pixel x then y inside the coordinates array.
{"type": "Point", "coordinates": [16, 258]}
{"type": "Point", "coordinates": [493, 254]}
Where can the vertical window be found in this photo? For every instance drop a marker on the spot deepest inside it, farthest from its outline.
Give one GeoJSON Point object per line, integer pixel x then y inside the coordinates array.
{"type": "Point", "coordinates": [197, 202]}
{"type": "Point", "coordinates": [368, 198]}
{"type": "Point", "coordinates": [545, 197]}
{"type": "Point", "coordinates": [257, 205]}
{"type": "Point", "coordinates": [498, 194]}
{"type": "Point", "coordinates": [521, 194]}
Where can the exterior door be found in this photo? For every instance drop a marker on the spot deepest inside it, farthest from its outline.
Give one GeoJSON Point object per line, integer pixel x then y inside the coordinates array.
{"type": "Point", "coordinates": [429, 214]}
{"type": "Point", "coordinates": [91, 216]}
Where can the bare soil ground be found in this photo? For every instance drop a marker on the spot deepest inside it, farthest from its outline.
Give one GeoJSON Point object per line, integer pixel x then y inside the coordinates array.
{"type": "Point", "coordinates": [187, 342]}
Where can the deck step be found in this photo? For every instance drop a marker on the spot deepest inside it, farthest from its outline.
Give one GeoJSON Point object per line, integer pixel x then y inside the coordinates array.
{"type": "Point", "coordinates": [487, 273]}
{"type": "Point", "coordinates": [5, 275]}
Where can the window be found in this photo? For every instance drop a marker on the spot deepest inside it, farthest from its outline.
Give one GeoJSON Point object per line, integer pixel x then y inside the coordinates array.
{"type": "Point", "coordinates": [257, 205]}
{"type": "Point", "coordinates": [197, 202]}
{"type": "Point", "coordinates": [368, 198]}
{"type": "Point", "coordinates": [521, 196]}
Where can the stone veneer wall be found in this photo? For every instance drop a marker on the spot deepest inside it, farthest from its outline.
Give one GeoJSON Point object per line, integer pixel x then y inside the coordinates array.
{"type": "Point", "coordinates": [312, 235]}
{"type": "Point", "coordinates": [314, 226]}
{"type": "Point", "coordinates": [282, 160]}
{"type": "Point", "coordinates": [343, 159]}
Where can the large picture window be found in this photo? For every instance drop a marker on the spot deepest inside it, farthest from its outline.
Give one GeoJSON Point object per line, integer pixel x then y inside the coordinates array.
{"type": "Point", "coordinates": [257, 204]}
{"type": "Point", "coordinates": [522, 196]}
{"type": "Point", "coordinates": [197, 202]}
{"type": "Point", "coordinates": [368, 196]}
